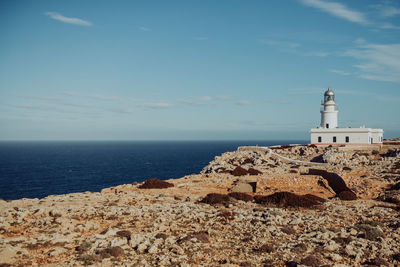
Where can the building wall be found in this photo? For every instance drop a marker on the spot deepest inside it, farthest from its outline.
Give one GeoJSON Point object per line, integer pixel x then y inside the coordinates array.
{"type": "Point", "coordinates": [377, 136]}
{"type": "Point", "coordinates": [354, 137]}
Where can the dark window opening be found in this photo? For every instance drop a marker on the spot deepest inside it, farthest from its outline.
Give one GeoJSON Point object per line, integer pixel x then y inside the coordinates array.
{"type": "Point", "coordinates": [334, 139]}
{"type": "Point", "coordinates": [319, 139]}
{"type": "Point", "coordinates": [327, 125]}
{"type": "Point", "coordinates": [347, 139]}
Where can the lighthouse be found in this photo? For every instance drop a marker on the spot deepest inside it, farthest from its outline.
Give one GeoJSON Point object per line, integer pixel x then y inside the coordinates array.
{"type": "Point", "coordinates": [329, 113]}
{"type": "Point", "coordinates": [328, 132]}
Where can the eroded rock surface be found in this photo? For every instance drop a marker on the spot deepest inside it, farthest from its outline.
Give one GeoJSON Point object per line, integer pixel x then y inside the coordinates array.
{"type": "Point", "coordinates": [130, 226]}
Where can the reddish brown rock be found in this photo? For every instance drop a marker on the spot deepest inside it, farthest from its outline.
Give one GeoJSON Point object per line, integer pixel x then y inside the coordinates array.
{"type": "Point", "coordinates": [214, 198]}
{"type": "Point", "coordinates": [287, 199]}
{"type": "Point", "coordinates": [239, 171]}
{"type": "Point", "coordinates": [155, 183]}
{"type": "Point", "coordinates": [241, 196]}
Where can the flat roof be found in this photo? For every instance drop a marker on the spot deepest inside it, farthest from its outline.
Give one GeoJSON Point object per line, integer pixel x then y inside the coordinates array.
{"type": "Point", "coordinates": [345, 130]}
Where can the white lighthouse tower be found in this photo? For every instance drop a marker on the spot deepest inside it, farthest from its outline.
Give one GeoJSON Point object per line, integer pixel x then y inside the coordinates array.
{"type": "Point", "coordinates": [329, 114]}
{"type": "Point", "coordinates": [328, 132]}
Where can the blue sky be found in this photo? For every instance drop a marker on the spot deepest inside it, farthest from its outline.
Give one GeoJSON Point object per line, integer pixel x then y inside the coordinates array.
{"type": "Point", "coordinates": [195, 69]}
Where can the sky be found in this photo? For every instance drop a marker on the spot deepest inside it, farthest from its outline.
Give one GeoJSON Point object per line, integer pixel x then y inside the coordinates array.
{"type": "Point", "coordinates": [195, 69]}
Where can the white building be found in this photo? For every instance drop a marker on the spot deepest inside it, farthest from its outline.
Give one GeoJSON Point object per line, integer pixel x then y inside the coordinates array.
{"type": "Point", "coordinates": [328, 132]}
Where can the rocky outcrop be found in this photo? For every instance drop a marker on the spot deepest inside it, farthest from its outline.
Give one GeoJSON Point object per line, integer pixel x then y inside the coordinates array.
{"type": "Point", "coordinates": [292, 218]}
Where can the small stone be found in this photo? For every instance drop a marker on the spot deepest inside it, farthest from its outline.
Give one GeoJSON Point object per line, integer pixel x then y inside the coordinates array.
{"type": "Point", "coordinates": [335, 257]}
{"type": "Point", "coordinates": [153, 249]}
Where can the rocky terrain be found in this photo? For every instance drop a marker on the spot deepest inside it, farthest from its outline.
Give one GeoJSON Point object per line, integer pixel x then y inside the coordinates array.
{"type": "Point", "coordinates": [328, 206]}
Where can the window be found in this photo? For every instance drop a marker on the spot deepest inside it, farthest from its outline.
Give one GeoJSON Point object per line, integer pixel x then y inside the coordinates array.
{"type": "Point", "coordinates": [347, 139]}
{"type": "Point", "coordinates": [334, 139]}
{"type": "Point", "coordinates": [319, 139]}
{"type": "Point", "coordinates": [327, 125]}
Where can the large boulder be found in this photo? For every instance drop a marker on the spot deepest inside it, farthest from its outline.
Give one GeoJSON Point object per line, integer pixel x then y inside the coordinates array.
{"type": "Point", "coordinates": [242, 188]}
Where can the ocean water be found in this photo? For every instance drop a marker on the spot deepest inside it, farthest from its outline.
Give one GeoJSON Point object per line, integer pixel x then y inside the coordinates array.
{"type": "Point", "coordinates": [39, 169]}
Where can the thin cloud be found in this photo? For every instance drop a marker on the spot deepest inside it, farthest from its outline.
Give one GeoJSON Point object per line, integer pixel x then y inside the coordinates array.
{"type": "Point", "coordinates": [277, 102]}
{"type": "Point", "coordinates": [69, 20]}
{"type": "Point", "coordinates": [389, 26]}
{"type": "Point", "coordinates": [292, 47]}
{"type": "Point", "coordinates": [205, 98]}
{"type": "Point", "coordinates": [145, 29]}
{"type": "Point", "coordinates": [360, 41]}
{"type": "Point", "coordinates": [377, 62]}
{"type": "Point", "coordinates": [223, 97]}
{"type": "Point", "coordinates": [242, 103]}
{"type": "Point", "coordinates": [196, 101]}
{"type": "Point", "coordinates": [102, 97]}
{"type": "Point", "coordinates": [338, 10]}
{"type": "Point", "coordinates": [340, 72]}
{"type": "Point", "coordinates": [92, 96]}
{"type": "Point", "coordinates": [316, 54]}
{"type": "Point", "coordinates": [386, 10]}
{"type": "Point", "coordinates": [161, 105]}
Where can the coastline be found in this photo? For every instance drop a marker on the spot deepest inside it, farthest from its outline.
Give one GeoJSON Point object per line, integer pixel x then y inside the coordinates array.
{"type": "Point", "coordinates": [127, 225]}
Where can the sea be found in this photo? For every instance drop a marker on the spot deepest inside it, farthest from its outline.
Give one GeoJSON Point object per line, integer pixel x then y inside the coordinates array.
{"type": "Point", "coordinates": [41, 168]}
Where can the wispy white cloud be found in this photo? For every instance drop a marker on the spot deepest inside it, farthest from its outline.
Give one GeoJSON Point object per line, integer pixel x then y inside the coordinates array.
{"type": "Point", "coordinates": [277, 102]}
{"type": "Point", "coordinates": [341, 72]}
{"type": "Point", "coordinates": [292, 47]}
{"type": "Point", "coordinates": [92, 96]}
{"type": "Point", "coordinates": [389, 26]}
{"type": "Point", "coordinates": [69, 20]}
{"type": "Point", "coordinates": [283, 44]}
{"type": "Point", "coordinates": [160, 105]}
{"type": "Point", "coordinates": [338, 10]}
{"type": "Point", "coordinates": [242, 103]}
{"type": "Point", "coordinates": [223, 97]}
{"type": "Point", "coordinates": [145, 29]}
{"type": "Point", "coordinates": [316, 54]}
{"type": "Point", "coordinates": [102, 97]}
{"type": "Point", "coordinates": [205, 98]}
{"type": "Point", "coordinates": [379, 62]}
{"type": "Point", "coordinates": [360, 41]}
{"type": "Point", "coordinates": [196, 101]}
{"type": "Point", "coordinates": [387, 10]}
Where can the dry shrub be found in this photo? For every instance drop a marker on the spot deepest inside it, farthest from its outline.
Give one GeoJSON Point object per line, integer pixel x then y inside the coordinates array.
{"type": "Point", "coordinates": [202, 236]}
{"type": "Point", "coordinates": [124, 233]}
{"type": "Point", "coordinates": [288, 230]}
{"type": "Point", "coordinates": [395, 186]}
{"type": "Point", "coordinates": [241, 196]}
{"type": "Point", "coordinates": [266, 248]}
{"type": "Point", "coordinates": [252, 171]}
{"type": "Point", "coordinates": [215, 198]}
{"type": "Point", "coordinates": [347, 195]}
{"type": "Point", "coordinates": [155, 183]}
{"type": "Point", "coordinates": [313, 197]}
{"type": "Point", "coordinates": [239, 171]}
{"type": "Point", "coordinates": [111, 251]}
{"type": "Point", "coordinates": [287, 199]}
{"type": "Point", "coordinates": [227, 215]}
{"type": "Point", "coordinates": [311, 261]}
{"type": "Point", "coordinates": [247, 161]}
